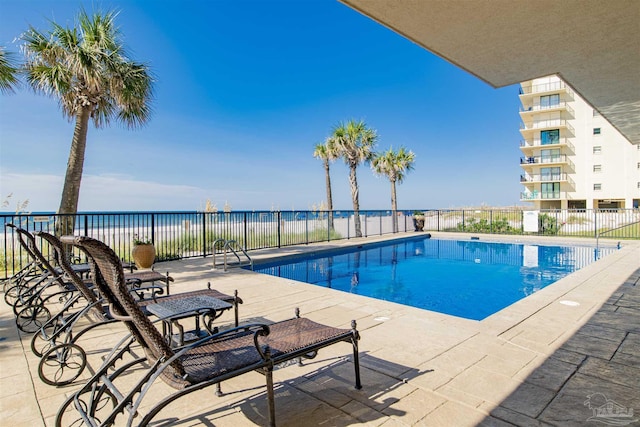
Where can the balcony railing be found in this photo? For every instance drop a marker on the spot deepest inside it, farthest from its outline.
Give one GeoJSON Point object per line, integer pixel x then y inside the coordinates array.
{"type": "Point", "coordinates": [541, 195]}
{"type": "Point", "coordinates": [540, 108]}
{"type": "Point", "coordinates": [544, 160]}
{"type": "Point", "coordinates": [547, 124]}
{"type": "Point", "coordinates": [538, 143]}
{"type": "Point", "coordinates": [554, 177]}
{"type": "Point", "coordinates": [545, 87]}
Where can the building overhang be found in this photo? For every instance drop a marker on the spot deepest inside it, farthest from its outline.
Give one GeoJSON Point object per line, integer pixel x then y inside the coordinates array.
{"type": "Point", "coordinates": [593, 45]}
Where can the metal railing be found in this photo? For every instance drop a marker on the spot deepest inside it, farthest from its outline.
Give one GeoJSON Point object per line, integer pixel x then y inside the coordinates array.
{"type": "Point", "coordinates": [545, 177]}
{"type": "Point", "coordinates": [535, 143]}
{"type": "Point", "coordinates": [227, 247]}
{"type": "Point", "coordinates": [544, 124]}
{"type": "Point", "coordinates": [602, 233]}
{"type": "Point", "coordinates": [177, 235]}
{"type": "Point", "coordinates": [540, 107]}
{"type": "Point", "coordinates": [543, 195]}
{"type": "Point", "coordinates": [544, 160]}
{"type": "Point", "coordinates": [545, 87]}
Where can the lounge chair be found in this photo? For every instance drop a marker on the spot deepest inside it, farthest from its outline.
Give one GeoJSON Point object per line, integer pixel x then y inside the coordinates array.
{"type": "Point", "coordinates": [31, 298]}
{"type": "Point", "coordinates": [219, 357]}
{"type": "Point", "coordinates": [62, 360]}
{"type": "Point", "coordinates": [28, 271]}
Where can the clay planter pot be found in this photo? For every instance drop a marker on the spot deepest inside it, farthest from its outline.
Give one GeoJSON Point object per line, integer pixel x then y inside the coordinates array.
{"type": "Point", "coordinates": [418, 222]}
{"type": "Point", "coordinates": [143, 255]}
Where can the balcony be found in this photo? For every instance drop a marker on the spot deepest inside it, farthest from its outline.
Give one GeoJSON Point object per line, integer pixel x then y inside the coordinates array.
{"type": "Point", "coordinates": [555, 177]}
{"type": "Point", "coordinates": [537, 143]}
{"type": "Point", "coordinates": [528, 111]}
{"type": "Point", "coordinates": [544, 88]}
{"type": "Point", "coordinates": [528, 180]}
{"type": "Point", "coordinates": [529, 127]}
{"type": "Point", "coordinates": [559, 159]}
{"type": "Point", "coordinates": [540, 195]}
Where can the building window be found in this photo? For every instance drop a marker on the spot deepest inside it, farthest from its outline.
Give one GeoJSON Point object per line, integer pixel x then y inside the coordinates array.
{"type": "Point", "coordinates": [549, 174]}
{"type": "Point", "coordinates": [549, 156]}
{"type": "Point", "coordinates": [597, 187]}
{"type": "Point", "coordinates": [550, 190]}
{"type": "Point", "coordinates": [597, 149]}
{"type": "Point", "coordinates": [550, 136]}
{"type": "Point", "coordinates": [549, 101]}
{"type": "Point", "coordinates": [597, 168]}
{"type": "Point", "coordinates": [596, 131]}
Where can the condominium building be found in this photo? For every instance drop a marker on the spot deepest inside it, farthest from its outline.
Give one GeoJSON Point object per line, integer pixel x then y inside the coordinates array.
{"type": "Point", "coordinates": [573, 158]}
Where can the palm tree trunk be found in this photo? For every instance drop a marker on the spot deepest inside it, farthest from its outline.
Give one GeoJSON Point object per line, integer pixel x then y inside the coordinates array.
{"type": "Point", "coordinates": [71, 188]}
{"type": "Point", "coordinates": [394, 207]}
{"type": "Point", "coordinates": [329, 198]}
{"type": "Point", "coordinates": [353, 180]}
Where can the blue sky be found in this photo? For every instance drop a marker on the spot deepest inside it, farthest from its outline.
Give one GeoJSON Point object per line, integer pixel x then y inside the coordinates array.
{"type": "Point", "coordinates": [243, 92]}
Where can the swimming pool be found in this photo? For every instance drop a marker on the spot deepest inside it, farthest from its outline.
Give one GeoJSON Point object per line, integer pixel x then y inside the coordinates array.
{"type": "Point", "coordinates": [470, 279]}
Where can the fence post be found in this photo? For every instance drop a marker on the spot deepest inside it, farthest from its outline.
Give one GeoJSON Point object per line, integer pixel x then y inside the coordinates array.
{"type": "Point", "coordinates": [381, 223]}
{"type": "Point", "coordinates": [153, 228]}
{"type": "Point", "coordinates": [246, 231]}
{"type": "Point", "coordinates": [329, 215]}
{"type": "Point", "coordinates": [306, 225]}
{"type": "Point", "coordinates": [204, 234]}
{"type": "Point", "coordinates": [279, 216]}
{"type": "Point", "coordinates": [595, 223]}
{"type": "Point", "coordinates": [86, 225]}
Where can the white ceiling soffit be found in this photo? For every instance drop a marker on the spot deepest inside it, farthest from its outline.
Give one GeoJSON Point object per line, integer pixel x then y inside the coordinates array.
{"type": "Point", "coordinates": [594, 45]}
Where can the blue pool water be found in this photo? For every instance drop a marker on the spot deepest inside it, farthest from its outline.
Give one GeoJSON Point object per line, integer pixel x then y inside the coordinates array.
{"type": "Point", "coordinates": [470, 279]}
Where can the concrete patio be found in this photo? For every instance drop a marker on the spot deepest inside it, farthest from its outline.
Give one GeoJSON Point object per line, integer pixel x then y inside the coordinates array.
{"type": "Point", "coordinates": [537, 362]}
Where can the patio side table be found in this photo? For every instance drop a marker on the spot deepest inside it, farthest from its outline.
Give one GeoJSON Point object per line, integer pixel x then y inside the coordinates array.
{"type": "Point", "coordinates": [171, 311]}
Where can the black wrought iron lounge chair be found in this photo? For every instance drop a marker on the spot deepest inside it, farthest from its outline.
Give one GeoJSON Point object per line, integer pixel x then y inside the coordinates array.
{"type": "Point", "coordinates": [219, 357]}
{"type": "Point", "coordinates": [29, 271]}
{"type": "Point", "coordinates": [62, 360]}
{"type": "Point", "coordinates": [33, 273]}
{"type": "Point", "coordinates": [31, 299]}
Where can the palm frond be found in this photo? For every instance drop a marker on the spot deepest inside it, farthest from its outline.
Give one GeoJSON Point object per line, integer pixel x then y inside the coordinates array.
{"type": "Point", "coordinates": [8, 72]}
{"type": "Point", "coordinates": [86, 68]}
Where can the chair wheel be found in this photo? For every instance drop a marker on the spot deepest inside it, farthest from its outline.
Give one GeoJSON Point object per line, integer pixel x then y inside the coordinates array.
{"type": "Point", "coordinates": [62, 364]}
{"type": "Point", "coordinates": [31, 318]}
{"type": "Point", "coordinates": [43, 339]}
{"type": "Point", "coordinates": [68, 416]}
{"type": "Point", "coordinates": [12, 294]}
{"type": "Point", "coordinates": [26, 300]}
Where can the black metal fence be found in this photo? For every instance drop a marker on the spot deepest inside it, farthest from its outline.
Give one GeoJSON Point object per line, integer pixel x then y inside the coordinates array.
{"type": "Point", "coordinates": [191, 234]}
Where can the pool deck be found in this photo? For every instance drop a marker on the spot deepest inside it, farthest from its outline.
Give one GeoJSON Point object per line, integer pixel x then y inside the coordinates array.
{"type": "Point", "coordinates": [539, 361]}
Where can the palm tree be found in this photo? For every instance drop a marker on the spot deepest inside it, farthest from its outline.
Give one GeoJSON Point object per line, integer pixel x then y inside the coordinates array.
{"type": "Point", "coordinates": [394, 165]}
{"type": "Point", "coordinates": [87, 70]}
{"type": "Point", "coordinates": [8, 72]}
{"type": "Point", "coordinates": [327, 153]}
{"type": "Point", "coordinates": [354, 142]}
